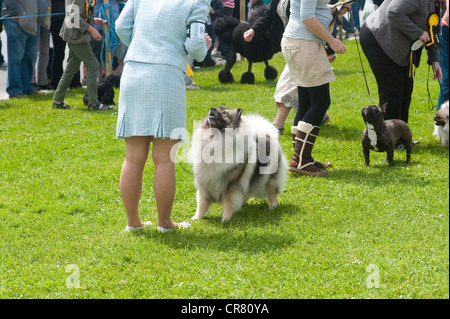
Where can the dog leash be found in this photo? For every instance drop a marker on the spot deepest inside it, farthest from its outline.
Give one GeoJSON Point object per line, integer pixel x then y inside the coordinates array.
{"type": "Point", "coordinates": [360, 59]}
{"type": "Point", "coordinates": [179, 162]}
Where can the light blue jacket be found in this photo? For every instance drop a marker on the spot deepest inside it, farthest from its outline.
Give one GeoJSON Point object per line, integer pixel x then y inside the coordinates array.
{"type": "Point", "coordinates": [156, 31]}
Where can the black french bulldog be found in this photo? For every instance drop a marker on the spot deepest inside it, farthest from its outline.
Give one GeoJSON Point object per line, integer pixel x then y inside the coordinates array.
{"type": "Point", "coordinates": [382, 136]}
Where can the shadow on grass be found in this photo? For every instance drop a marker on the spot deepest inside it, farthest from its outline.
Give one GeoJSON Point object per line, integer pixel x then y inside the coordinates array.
{"type": "Point", "coordinates": [341, 132]}
{"type": "Point", "coordinates": [432, 149]}
{"type": "Point", "coordinates": [241, 233]}
{"type": "Point", "coordinates": [380, 175]}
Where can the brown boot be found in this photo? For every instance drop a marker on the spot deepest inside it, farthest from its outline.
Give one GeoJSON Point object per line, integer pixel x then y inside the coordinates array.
{"type": "Point", "coordinates": [317, 164]}
{"type": "Point", "coordinates": [302, 161]}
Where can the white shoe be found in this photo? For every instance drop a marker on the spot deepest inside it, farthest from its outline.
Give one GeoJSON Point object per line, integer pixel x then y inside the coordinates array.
{"type": "Point", "coordinates": [182, 224]}
{"type": "Point", "coordinates": [129, 228]}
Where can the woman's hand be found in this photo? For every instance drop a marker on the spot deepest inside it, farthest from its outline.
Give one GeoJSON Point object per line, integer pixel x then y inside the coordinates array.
{"type": "Point", "coordinates": [249, 34]}
{"type": "Point", "coordinates": [208, 41]}
{"type": "Point", "coordinates": [337, 46]}
{"type": "Point", "coordinates": [437, 71]}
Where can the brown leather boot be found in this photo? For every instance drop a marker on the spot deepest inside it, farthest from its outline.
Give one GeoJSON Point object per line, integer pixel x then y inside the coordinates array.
{"type": "Point", "coordinates": [302, 161]}
{"type": "Point", "coordinates": [317, 164]}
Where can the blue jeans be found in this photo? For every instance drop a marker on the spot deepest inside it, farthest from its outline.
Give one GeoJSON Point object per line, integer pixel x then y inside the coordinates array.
{"type": "Point", "coordinates": [443, 93]}
{"type": "Point", "coordinates": [21, 50]}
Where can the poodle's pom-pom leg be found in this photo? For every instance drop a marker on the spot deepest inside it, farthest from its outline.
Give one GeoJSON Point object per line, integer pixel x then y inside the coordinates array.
{"type": "Point", "coordinates": [225, 76]}
{"type": "Point", "coordinates": [248, 78]}
{"type": "Point", "coordinates": [270, 73]}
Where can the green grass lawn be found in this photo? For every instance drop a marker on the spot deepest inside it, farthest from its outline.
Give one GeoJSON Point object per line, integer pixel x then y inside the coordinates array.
{"type": "Point", "coordinates": [361, 232]}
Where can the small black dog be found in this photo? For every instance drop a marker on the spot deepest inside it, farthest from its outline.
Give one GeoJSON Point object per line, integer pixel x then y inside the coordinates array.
{"type": "Point", "coordinates": [105, 89]}
{"type": "Point", "coordinates": [381, 135]}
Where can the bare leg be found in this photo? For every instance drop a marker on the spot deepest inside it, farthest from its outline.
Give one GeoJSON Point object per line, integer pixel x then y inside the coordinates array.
{"type": "Point", "coordinates": [282, 114]}
{"type": "Point", "coordinates": [137, 148]}
{"type": "Point", "coordinates": [164, 181]}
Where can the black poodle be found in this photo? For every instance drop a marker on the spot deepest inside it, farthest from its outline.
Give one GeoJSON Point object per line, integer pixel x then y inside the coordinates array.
{"type": "Point", "coordinates": [105, 89]}
{"type": "Point", "coordinates": [231, 41]}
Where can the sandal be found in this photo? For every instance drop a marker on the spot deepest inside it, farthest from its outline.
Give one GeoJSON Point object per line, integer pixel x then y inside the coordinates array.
{"type": "Point", "coordinates": [129, 228]}
{"type": "Point", "coordinates": [180, 226]}
{"type": "Point", "coordinates": [100, 107]}
{"type": "Point", "coordinates": [61, 105]}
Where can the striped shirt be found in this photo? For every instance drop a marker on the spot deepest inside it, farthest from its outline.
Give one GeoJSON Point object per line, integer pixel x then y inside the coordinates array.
{"type": "Point", "coordinates": [228, 3]}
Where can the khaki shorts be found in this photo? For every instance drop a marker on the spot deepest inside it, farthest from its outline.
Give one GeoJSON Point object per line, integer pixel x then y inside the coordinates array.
{"type": "Point", "coordinates": [307, 61]}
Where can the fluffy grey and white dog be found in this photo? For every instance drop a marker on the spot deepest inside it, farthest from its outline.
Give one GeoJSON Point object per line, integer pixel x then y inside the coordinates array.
{"type": "Point", "coordinates": [236, 157]}
{"type": "Point", "coordinates": [441, 125]}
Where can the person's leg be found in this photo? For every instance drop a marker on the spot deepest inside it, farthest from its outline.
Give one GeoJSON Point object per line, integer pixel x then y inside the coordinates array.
{"type": "Point", "coordinates": [304, 104]}
{"type": "Point", "coordinates": [59, 46]}
{"type": "Point", "coordinates": [444, 90]}
{"type": "Point", "coordinates": [72, 67]}
{"type": "Point", "coordinates": [137, 148]}
{"type": "Point", "coordinates": [282, 114]}
{"type": "Point", "coordinates": [320, 102]}
{"type": "Point", "coordinates": [307, 129]}
{"type": "Point", "coordinates": [388, 75]}
{"type": "Point", "coordinates": [28, 62]}
{"type": "Point", "coordinates": [15, 44]}
{"type": "Point", "coordinates": [43, 57]}
{"type": "Point", "coordinates": [164, 181]}
{"type": "Point", "coordinates": [84, 53]}
{"type": "Point", "coordinates": [408, 86]}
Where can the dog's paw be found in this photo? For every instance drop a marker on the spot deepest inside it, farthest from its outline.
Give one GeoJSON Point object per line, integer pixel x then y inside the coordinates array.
{"type": "Point", "coordinates": [195, 217]}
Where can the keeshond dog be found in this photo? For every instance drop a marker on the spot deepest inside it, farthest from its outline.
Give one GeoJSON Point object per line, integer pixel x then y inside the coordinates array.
{"type": "Point", "coordinates": [236, 157]}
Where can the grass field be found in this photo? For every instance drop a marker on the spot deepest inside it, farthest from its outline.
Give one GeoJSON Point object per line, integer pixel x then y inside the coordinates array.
{"type": "Point", "coordinates": [361, 232]}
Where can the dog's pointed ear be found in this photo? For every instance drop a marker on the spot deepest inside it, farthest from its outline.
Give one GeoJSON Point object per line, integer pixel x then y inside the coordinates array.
{"type": "Point", "coordinates": [239, 112]}
{"type": "Point", "coordinates": [384, 107]}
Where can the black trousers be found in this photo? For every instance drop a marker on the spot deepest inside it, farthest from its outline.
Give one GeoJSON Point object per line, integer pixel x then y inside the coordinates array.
{"type": "Point", "coordinates": [395, 86]}
{"type": "Point", "coordinates": [313, 104]}
{"type": "Point", "coordinates": [59, 48]}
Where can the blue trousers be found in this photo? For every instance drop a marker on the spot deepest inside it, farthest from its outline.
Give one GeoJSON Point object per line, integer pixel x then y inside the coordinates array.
{"type": "Point", "coordinates": [443, 93]}
{"type": "Point", "coordinates": [21, 51]}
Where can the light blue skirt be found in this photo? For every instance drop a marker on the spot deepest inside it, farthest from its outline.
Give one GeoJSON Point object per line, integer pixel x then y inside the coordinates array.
{"type": "Point", "coordinates": [152, 101]}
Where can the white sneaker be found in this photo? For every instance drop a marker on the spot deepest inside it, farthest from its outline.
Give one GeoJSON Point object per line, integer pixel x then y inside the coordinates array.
{"type": "Point", "coordinates": [129, 228]}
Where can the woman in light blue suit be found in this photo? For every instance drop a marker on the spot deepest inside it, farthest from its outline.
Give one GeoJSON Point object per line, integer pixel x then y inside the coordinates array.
{"type": "Point", "coordinates": [152, 102]}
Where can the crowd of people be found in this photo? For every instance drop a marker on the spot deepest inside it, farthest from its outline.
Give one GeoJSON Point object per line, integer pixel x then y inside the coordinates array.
{"type": "Point", "coordinates": [37, 36]}
{"type": "Point", "coordinates": [154, 40]}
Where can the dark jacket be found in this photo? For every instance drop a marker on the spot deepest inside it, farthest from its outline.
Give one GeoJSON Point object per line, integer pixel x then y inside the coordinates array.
{"type": "Point", "coordinates": [272, 21]}
{"type": "Point", "coordinates": [396, 24]}
{"type": "Point", "coordinates": [218, 10]}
